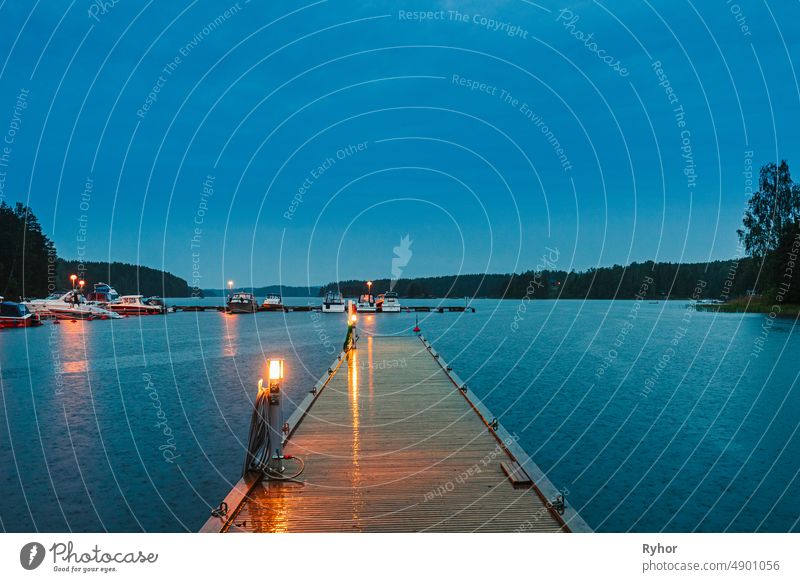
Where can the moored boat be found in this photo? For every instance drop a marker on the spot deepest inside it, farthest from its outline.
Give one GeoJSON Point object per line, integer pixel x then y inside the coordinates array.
{"type": "Point", "coordinates": [366, 304]}
{"type": "Point", "coordinates": [333, 302]}
{"type": "Point", "coordinates": [242, 303]}
{"type": "Point", "coordinates": [136, 305]}
{"type": "Point", "coordinates": [273, 302]}
{"type": "Point", "coordinates": [68, 305]}
{"type": "Point", "coordinates": [16, 315]}
{"type": "Point", "coordinates": [388, 302]}
{"type": "Point", "coordinates": [102, 295]}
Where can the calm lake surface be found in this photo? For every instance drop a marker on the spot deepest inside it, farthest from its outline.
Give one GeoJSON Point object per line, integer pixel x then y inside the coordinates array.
{"type": "Point", "coordinates": [650, 416]}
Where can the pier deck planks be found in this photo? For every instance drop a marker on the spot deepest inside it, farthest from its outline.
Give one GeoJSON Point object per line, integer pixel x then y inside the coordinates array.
{"type": "Point", "coordinates": [391, 445]}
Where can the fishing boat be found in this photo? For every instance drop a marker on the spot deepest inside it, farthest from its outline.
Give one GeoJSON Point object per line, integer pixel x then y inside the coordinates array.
{"type": "Point", "coordinates": [273, 302]}
{"type": "Point", "coordinates": [242, 303]}
{"type": "Point", "coordinates": [102, 295]}
{"type": "Point", "coordinates": [333, 302]}
{"type": "Point", "coordinates": [388, 302]}
{"type": "Point", "coordinates": [366, 304]}
{"type": "Point", "coordinates": [16, 315]}
{"type": "Point", "coordinates": [68, 305]}
{"type": "Point", "coordinates": [136, 305]}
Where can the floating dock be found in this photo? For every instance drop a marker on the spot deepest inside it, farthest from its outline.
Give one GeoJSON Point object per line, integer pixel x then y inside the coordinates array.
{"type": "Point", "coordinates": [306, 308]}
{"type": "Point", "coordinates": [394, 441]}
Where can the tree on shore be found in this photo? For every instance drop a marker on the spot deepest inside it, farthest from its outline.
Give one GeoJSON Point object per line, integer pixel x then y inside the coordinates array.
{"type": "Point", "coordinates": [771, 211]}
{"type": "Point", "coordinates": [27, 256]}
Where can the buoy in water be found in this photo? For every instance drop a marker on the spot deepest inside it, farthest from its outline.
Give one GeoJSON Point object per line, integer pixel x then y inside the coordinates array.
{"type": "Point", "coordinates": [416, 324]}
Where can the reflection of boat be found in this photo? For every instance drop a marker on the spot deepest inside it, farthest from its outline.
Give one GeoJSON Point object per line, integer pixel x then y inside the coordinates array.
{"type": "Point", "coordinates": [16, 315]}
{"type": "Point", "coordinates": [333, 302]}
{"type": "Point", "coordinates": [103, 294]}
{"type": "Point", "coordinates": [365, 304]}
{"type": "Point", "coordinates": [137, 305]}
{"type": "Point", "coordinates": [68, 305]}
{"type": "Point", "coordinates": [242, 303]}
{"type": "Point", "coordinates": [273, 302]}
{"type": "Point", "coordinates": [388, 302]}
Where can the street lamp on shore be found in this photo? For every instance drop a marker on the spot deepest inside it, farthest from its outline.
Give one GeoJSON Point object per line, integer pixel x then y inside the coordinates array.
{"type": "Point", "coordinates": [73, 278]}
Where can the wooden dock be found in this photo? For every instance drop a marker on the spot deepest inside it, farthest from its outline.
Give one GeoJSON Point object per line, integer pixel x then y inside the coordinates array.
{"type": "Point", "coordinates": [394, 441]}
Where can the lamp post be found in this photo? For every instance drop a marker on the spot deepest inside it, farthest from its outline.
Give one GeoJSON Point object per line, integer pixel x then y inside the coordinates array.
{"type": "Point", "coordinates": [81, 283]}
{"type": "Point", "coordinates": [275, 415]}
{"type": "Point", "coordinates": [73, 278]}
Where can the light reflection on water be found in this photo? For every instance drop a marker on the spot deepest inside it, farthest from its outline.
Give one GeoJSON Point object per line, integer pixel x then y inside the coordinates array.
{"type": "Point", "coordinates": [711, 444]}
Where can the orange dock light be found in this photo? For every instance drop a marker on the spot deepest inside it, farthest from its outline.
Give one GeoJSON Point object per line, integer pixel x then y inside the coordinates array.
{"type": "Point", "coordinates": [81, 283]}
{"type": "Point", "coordinates": [73, 278]}
{"type": "Point", "coordinates": [274, 370]}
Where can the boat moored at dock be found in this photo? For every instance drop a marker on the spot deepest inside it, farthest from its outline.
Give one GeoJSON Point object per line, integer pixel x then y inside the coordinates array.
{"type": "Point", "coordinates": [68, 305]}
{"type": "Point", "coordinates": [366, 304]}
{"type": "Point", "coordinates": [333, 302]}
{"type": "Point", "coordinates": [388, 302]}
{"type": "Point", "coordinates": [273, 302]}
{"type": "Point", "coordinates": [242, 302]}
{"type": "Point", "coordinates": [14, 314]}
{"type": "Point", "coordinates": [137, 305]}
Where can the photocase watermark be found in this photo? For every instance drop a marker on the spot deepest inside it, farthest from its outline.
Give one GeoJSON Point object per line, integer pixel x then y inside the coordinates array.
{"type": "Point", "coordinates": [466, 474]}
{"type": "Point", "coordinates": [383, 364]}
{"type": "Point", "coordinates": [168, 447]}
{"type": "Point", "coordinates": [82, 235]}
{"type": "Point", "coordinates": [540, 514]}
{"type": "Point", "coordinates": [99, 8]}
{"type": "Point", "coordinates": [317, 172]}
{"type": "Point", "coordinates": [783, 288]}
{"type": "Point", "coordinates": [547, 262]}
{"type": "Point", "coordinates": [523, 107]}
{"type": "Point", "coordinates": [10, 137]}
{"type": "Point", "coordinates": [322, 333]}
{"type": "Point", "coordinates": [402, 256]}
{"type": "Point", "coordinates": [677, 337]}
{"type": "Point", "coordinates": [31, 555]}
{"type": "Point", "coordinates": [739, 17]}
{"type": "Point", "coordinates": [206, 193]}
{"type": "Point", "coordinates": [625, 328]}
{"type": "Point", "coordinates": [169, 69]}
{"type": "Point", "coordinates": [568, 20]}
{"type": "Point", "coordinates": [678, 112]}
{"type": "Point", "coordinates": [480, 20]}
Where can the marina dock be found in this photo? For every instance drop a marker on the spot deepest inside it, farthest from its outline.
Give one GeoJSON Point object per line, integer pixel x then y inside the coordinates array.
{"type": "Point", "coordinates": [307, 308]}
{"type": "Point", "coordinates": [394, 441]}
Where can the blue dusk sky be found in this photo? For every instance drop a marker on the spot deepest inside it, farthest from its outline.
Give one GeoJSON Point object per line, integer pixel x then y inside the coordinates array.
{"type": "Point", "coordinates": [299, 142]}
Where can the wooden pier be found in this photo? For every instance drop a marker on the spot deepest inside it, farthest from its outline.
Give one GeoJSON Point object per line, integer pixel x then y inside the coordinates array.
{"type": "Point", "coordinates": [394, 441]}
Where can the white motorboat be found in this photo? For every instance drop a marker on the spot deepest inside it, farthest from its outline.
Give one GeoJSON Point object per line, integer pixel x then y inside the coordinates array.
{"type": "Point", "coordinates": [366, 304]}
{"type": "Point", "coordinates": [273, 302]}
{"type": "Point", "coordinates": [333, 302]}
{"type": "Point", "coordinates": [68, 305]}
{"type": "Point", "coordinates": [388, 302]}
{"type": "Point", "coordinates": [137, 305]}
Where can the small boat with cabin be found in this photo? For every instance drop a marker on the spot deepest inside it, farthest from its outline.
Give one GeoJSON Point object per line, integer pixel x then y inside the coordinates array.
{"type": "Point", "coordinates": [14, 314]}
{"type": "Point", "coordinates": [242, 303]}
{"type": "Point", "coordinates": [366, 304]}
{"type": "Point", "coordinates": [102, 295]}
{"type": "Point", "coordinates": [388, 302]}
{"type": "Point", "coordinates": [273, 302]}
{"type": "Point", "coordinates": [136, 305]}
{"type": "Point", "coordinates": [333, 302]}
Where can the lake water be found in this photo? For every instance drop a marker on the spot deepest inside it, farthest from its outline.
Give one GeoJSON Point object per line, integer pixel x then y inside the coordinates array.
{"type": "Point", "coordinates": [650, 416]}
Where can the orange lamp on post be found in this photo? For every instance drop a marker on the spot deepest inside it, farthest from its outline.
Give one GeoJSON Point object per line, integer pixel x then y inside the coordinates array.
{"type": "Point", "coordinates": [275, 415]}
{"type": "Point", "coordinates": [81, 283]}
{"type": "Point", "coordinates": [73, 278]}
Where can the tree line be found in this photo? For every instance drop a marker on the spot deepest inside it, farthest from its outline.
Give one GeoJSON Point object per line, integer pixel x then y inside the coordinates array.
{"type": "Point", "coordinates": [30, 266]}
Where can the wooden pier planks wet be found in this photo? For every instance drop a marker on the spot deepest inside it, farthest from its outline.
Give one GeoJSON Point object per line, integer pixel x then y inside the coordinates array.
{"type": "Point", "coordinates": [392, 445]}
